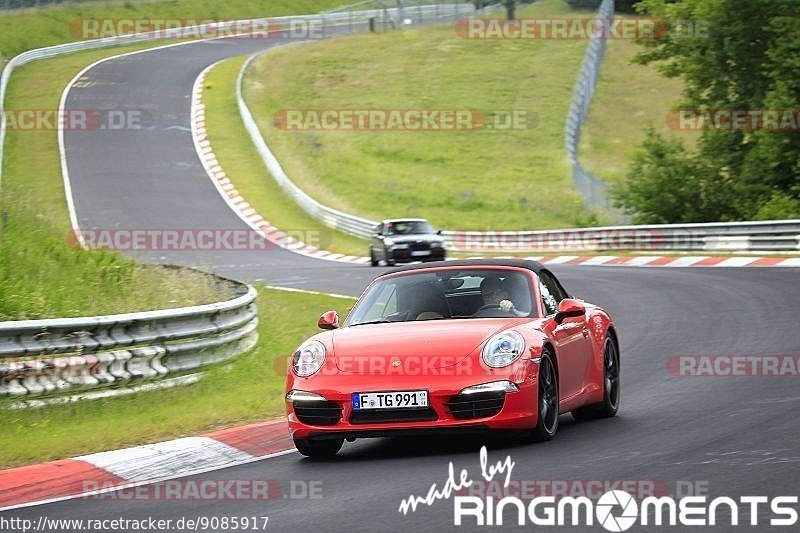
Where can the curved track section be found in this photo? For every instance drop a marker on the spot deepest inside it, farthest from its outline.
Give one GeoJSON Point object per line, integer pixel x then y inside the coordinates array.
{"type": "Point", "coordinates": [152, 178]}
{"type": "Point", "coordinates": [737, 434]}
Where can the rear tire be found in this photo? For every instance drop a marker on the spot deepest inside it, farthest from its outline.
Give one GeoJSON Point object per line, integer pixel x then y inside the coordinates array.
{"type": "Point", "coordinates": [318, 448]}
{"type": "Point", "coordinates": [611, 389]}
{"type": "Point", "coordinates": [547, 399]}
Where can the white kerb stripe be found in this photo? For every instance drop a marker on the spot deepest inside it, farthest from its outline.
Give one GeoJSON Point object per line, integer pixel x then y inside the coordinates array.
{"type": "Point", "coordinates": [170, 458]}
{"type": "Point", "coordinates": [560, 259]}
{"type": "Point", "coordinates": [599, 260]}
{"type": "Point", "coordinates": [687, 261]}
{"type": "Point", "coordinates": [737, 261]}
{"type": "Point", "coordinates": [642, 260]}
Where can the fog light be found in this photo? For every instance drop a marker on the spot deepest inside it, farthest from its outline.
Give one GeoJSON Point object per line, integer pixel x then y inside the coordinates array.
{"type": "Point", "coordinates": [303, 396]}
{"type": "Point", "coordinates": [493, 386]}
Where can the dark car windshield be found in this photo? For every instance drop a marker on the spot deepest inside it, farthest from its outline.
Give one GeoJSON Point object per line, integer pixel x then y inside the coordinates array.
{"type": "Point", "coordinates": [408, 227]}
{"type": "Point", "coordinates": [446, 294]}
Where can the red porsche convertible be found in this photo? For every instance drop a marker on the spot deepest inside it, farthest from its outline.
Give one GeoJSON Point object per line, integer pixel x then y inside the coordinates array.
{"type": "Point", "coordinates": [453, 346]}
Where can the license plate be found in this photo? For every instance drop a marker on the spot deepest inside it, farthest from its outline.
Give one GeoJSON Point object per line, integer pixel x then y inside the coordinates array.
{"type": "Point", "coordinates": [420, 252]}
{"type": "Point", "coordinates": [390, 400]}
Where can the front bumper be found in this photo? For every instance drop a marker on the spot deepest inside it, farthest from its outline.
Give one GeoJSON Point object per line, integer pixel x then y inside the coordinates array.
{"type": "Point", "coordinates": [406, 255]}
{"type": "Point", "coordinates": [448, 410]}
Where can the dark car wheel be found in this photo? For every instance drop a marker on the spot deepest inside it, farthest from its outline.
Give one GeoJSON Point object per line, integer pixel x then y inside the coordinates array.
{"type": "Point", "coordinates": [372, 260]}
{"type": "Point", "coordinates": [547, 424]}
{"type": "Point", "coordinates": [318, 448]}
{"type": "Point", "coordinates": [611, 389]}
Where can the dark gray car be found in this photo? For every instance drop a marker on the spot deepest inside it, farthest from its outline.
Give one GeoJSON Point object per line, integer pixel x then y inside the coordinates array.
{"type": "Point", "coordinates": [404, 240]}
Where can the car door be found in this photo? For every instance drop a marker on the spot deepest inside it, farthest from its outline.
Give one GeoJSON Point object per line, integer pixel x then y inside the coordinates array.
{"type": "Point", "coordinates": [571, 337]}
{"type": "Point", "coordinates": [376, 243]}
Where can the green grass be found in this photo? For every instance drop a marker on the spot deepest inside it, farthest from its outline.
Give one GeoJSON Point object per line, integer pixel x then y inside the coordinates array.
{"type": "Point", "coordinates": [459, 180]}
{"type": "Point", "coordinates": [249, 389]}
{"type": "Point", "coordinates": [628, 97]}
{"type": "Point", "coordinates": [238, 156]}
{"type": "Point", "coordinates": [33, 28]}
{"type": "Point", "coordinates": [38, 267]}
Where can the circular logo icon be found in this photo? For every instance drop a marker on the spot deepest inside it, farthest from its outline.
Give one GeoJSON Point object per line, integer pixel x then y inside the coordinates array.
{"type": "Point", "coordinates": [624, 518]}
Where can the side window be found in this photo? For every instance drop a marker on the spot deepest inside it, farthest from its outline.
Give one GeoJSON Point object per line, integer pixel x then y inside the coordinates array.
{"type": "Point", "coordinates": [379, 229]}
{"type": "Point", "coordinates": [552, 293]}
{"type": "Point", "coordinates": [383, 305]}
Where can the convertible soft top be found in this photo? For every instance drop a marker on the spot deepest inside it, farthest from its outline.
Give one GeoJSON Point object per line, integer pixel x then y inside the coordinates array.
{"type": "Point", "coordinates": [519, 263]}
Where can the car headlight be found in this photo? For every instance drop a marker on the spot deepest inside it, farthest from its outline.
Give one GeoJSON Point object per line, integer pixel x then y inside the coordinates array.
{"type": "Point", "coordinates": [308, 358]}
{"type": "Point", "coordinates": [398, 246]}
{"type": "Point", "coordinates": [503, 349]}
{"type": "Point", "coordinates": [437, 244]}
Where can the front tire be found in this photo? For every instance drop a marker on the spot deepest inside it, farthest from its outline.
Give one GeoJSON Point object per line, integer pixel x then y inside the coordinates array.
{"type": "Point", "coordinates": [548, 399]}
{"type": "Point", "coordinates": [611, 388]}
{"type": "Point", "coordinates": [389, 262]}
{"type": "Point", "coordinates": [372, 260]}
{"type": "Point", "coordinates": [318, 448]}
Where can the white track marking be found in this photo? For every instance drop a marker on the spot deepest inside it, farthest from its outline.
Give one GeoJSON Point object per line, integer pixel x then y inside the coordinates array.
{"type": "Point", "coordinates": [171, 458]}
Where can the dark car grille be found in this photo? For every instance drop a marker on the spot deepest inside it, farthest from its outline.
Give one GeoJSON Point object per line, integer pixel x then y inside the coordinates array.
{"type": "Point", "coordinates": [418, 246]}
{"type": "Point", "coordinates": [478, 405]}
{"type": "Point", "coordinates": [322, 413]}
{"type": "Point", "coordinates": [392, 415]}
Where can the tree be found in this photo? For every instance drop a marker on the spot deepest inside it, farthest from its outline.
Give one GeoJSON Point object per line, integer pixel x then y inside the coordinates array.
{"type": "Point", "coordinates": [746, 58]}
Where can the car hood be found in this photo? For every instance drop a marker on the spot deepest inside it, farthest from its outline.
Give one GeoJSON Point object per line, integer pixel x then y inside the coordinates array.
{"type": "Point", "coordinates": [376, 348]}
{"type": "Point", "coordinates": [426, 237]}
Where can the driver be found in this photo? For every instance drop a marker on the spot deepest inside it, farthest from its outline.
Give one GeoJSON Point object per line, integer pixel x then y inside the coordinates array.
{"type": "Point", "coordinates": [493, 293]}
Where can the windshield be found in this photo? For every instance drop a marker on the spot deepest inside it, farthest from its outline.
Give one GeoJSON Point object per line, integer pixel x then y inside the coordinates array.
{"type": "Point", "coordinates": [446, 294]}
{"type": "Point", "coordinates": [408, 227]}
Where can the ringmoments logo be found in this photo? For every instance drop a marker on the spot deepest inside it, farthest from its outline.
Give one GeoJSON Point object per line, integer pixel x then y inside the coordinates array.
{"type": "Point", "coordinates": [615, 510]}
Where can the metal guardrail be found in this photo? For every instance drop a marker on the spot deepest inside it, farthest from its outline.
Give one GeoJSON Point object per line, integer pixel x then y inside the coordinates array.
{"type": "Point", "coordinates": [744, 236]}
{"type": "Point", "coordinates": [228, 26]}
{"type": "Point", "coordinates": [770, 236]}
{"type": "Point", "coordinates": [734, 236]}
{"type": "Point", "coordinates": [66, 355]}
{"type": "Point", "coordinates": [352, 224]}
{"type": "Point", "coordinates": [333, 218]}
{"type": "Point", "coordinates": [595, 191]}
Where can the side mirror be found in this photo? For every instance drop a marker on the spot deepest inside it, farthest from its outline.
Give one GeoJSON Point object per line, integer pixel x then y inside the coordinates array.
{"type": "Point", "coordinates": [438, 232]}
{"type": "Point", "coordinates": [329, 320]}
{"type": "Point", "coordinates": [569, 308]}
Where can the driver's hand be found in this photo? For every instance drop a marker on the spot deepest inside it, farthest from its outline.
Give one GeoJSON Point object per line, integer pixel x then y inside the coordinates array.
{"type": "Point", "coordinates": [506, 305]}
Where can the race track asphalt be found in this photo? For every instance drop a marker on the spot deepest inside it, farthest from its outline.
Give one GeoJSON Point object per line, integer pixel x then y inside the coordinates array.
{"type": "Point", "coordinates": [740, 435]}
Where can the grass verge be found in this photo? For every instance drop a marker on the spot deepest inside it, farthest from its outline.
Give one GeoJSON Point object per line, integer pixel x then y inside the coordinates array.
{"type": "Point", "coordinates": [26, 29]}
{"type": "Point", "coordinates": [628, 98]}
{"type": "Point", "coordinates": [240, 160]}
{"type": "Point", "coordinates": [38, 268]}
{"type": "Point", "coordinates": [458, 179]}
{"type": "Point", "coordinates": [248, 389]}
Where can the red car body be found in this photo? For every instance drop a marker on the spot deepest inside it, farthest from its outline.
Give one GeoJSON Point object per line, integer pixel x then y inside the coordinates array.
{"type": "Point", "coordinates": [444, 357]}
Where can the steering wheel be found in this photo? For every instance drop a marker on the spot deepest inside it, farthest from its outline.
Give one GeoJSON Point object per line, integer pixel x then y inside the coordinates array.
{"type": "Point", "coordinates": [490, 307]}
